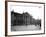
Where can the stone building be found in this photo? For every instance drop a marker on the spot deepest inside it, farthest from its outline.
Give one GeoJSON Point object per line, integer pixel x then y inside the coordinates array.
{"type": "Point", "coordinates": [21, 19]}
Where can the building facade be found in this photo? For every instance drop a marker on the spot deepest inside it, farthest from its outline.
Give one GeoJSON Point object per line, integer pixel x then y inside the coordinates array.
{"type": "Point", "coordinates": [21, 19]}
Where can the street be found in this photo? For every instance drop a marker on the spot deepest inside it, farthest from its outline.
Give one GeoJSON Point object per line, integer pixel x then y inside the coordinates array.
{"type": "Point", "coordinates": [25, 28]}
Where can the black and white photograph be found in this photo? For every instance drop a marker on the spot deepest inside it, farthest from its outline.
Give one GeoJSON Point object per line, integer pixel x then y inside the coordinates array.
{"type": "Point", "coordinates": [25, 18]}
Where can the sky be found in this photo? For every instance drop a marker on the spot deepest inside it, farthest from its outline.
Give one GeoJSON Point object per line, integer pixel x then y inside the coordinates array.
{"type": "Point", "coordinates": [34, 11]}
